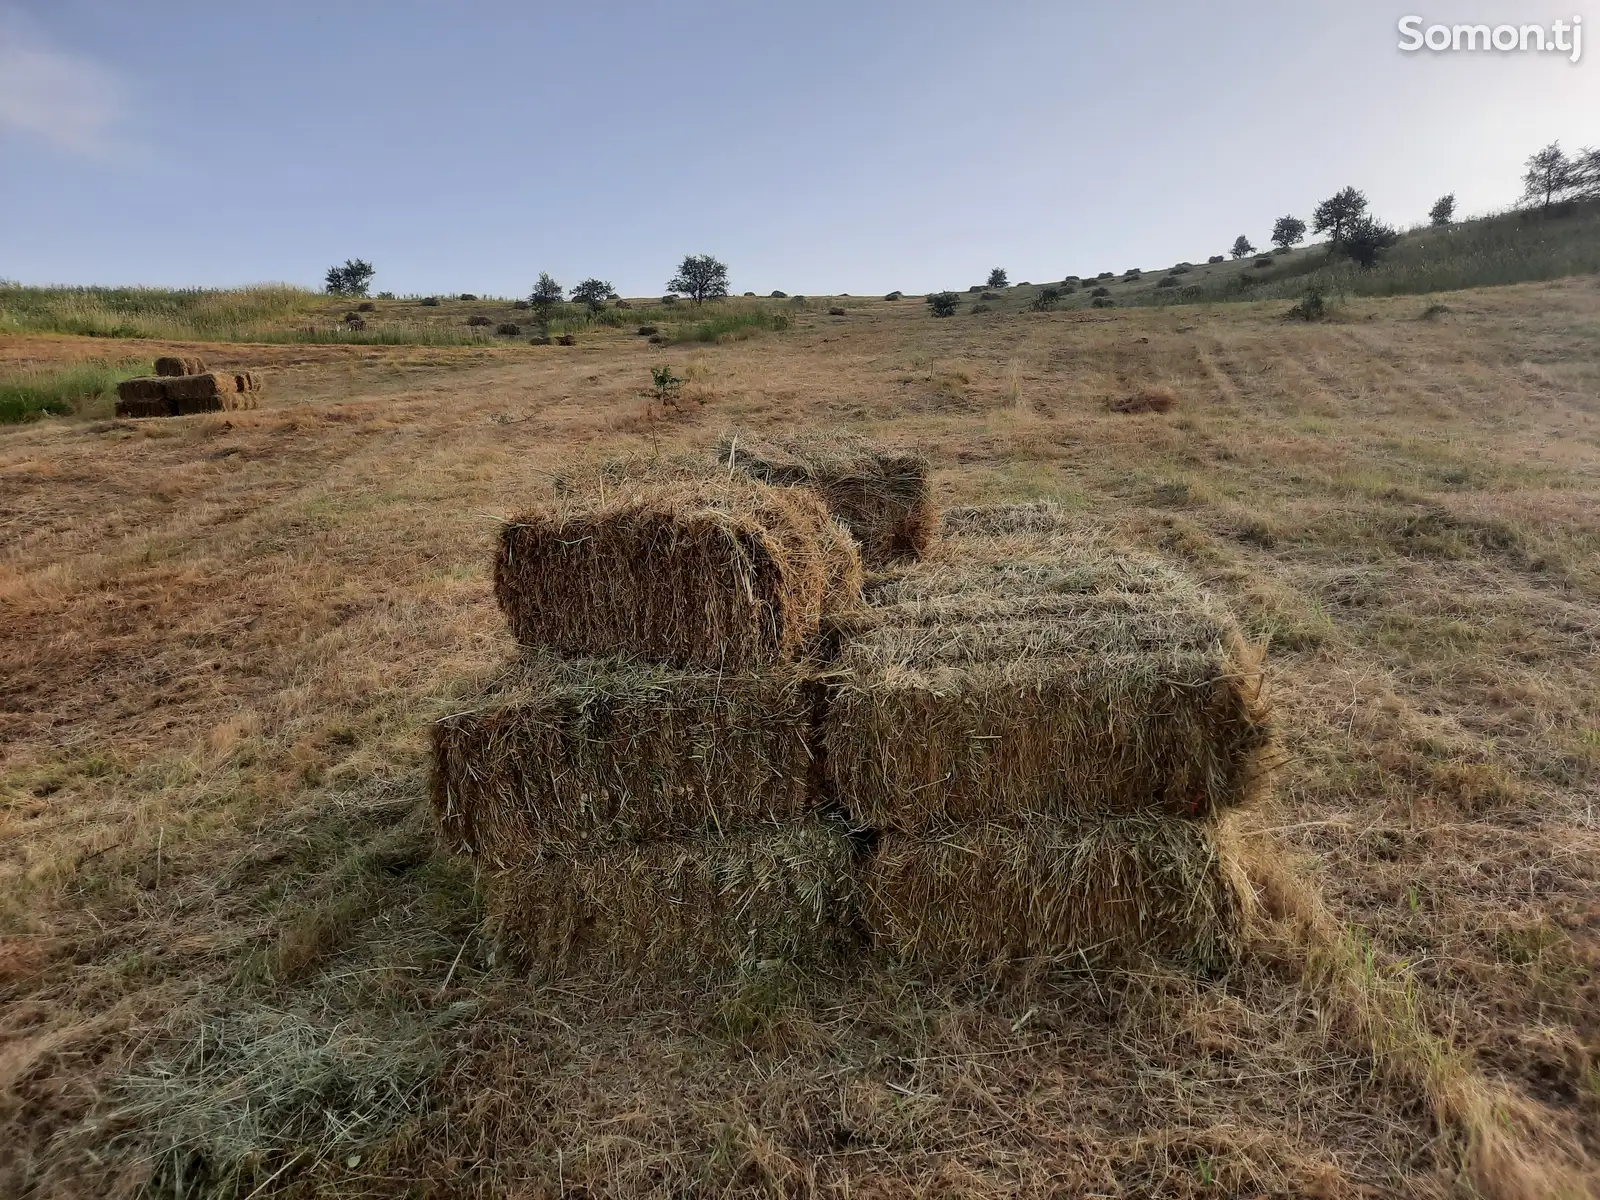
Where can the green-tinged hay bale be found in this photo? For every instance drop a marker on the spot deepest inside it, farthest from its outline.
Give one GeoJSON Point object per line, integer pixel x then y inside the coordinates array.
{"type": "Point", "coordinates": [1037, 684]}
{"type": "Point", "coordinates": [179, 364]}
{"type": "Point", "coordinates": [880, 493]}
{"type": "Point", "coordinates": [1055, 892]}
{"type": "Point", "coordinates": [690, 906]}
{"type": "Point", "coordinates": [728, 575]}
{"type": "Point", "coordinates": [617, 750]}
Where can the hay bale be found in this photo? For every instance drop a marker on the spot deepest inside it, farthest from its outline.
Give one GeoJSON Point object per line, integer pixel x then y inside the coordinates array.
{"type": "Point", "coordinates": [616, 750]}
{"type": "Point", "coordinates": [1055, 892]}
{"type": "Point", "coordinates": [172, 365]}
{"type": "Point", "coordinates": [142, 407]}
{"type": "Point", "coordinates": [146, 387]}
{"type": "Point", "coordinates": [727, 575]}
{"type": "Point", "coordinates": [694, 905]}
{"type": "Point", "coordinates": [880, 493]}
{"type": "Point", "coordinates": [1057, 678]}
{"type": "Point", "coordinates": [181, 395]}
{"type": "Point", "coordinates": [247, 381]}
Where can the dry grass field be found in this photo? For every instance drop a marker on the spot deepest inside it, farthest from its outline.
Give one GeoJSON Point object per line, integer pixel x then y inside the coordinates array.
{"type": "Point", "coordinates": [234, 962]}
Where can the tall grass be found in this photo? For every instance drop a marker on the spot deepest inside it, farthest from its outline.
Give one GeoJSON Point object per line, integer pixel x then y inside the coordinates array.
{"type": "Point", "coordinates": [62, 391]}
{"type": "Point", "coordinates": [730, 326]}
{"type": "Point", "coordinates": [188, 314]}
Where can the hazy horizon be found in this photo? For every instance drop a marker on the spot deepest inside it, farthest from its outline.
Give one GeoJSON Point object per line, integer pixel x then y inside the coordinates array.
{"type": "Point", "coordinates": [835, 149]}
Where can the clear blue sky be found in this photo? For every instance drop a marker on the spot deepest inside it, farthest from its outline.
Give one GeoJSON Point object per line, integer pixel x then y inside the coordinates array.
{"type": "Point", "coordinates": [817, 147]}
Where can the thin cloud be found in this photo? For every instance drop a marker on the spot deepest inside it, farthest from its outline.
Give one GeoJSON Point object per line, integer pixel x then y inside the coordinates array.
{"type": "Point", "coordinates": [66, 100]}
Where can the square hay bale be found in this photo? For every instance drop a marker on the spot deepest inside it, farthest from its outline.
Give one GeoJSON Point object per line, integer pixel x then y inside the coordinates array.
{"type": "Point", "coordinates": [247, 381]}
{"type": "Point", "coordinates": [180, 395]}
{"type": "Point", "coordinates": [690, 906]}
{"type": "Point", "coordinates": [1056, 892]}
{"type": "Point", "coordinates": [880, 493]}
{"type": "Point", "coordinates": [143, 407]}
{"type": "Point", "coordinates": [146, 387]}
{"type": "Point", "coordinates": [179, 364]}
{"type": "Point", "coordinates": [729, 575]}
{"type": "Point", "coordinates": [619, 750]}
{"type": "Point", "coordinates": [1058, 679]}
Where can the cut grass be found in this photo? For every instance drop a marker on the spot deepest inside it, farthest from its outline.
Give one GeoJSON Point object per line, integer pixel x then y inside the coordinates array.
{"type": "Point", "coordinates": [79, 389]}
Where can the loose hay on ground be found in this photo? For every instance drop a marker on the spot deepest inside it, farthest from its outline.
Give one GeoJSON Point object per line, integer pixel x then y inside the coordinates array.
{"type": "Point", "coordinates": [617, 751]}
{"type": "Point", "coordinates": [1045, 892]}
{"type": "Point", "coordinates": [1042, 675]}
{"type": "Point", "coordinates": [693, 905]}
{"type": "Point", "coordinates": [728, 575]}
{"type": "Point", "coordinates": [880, 493]}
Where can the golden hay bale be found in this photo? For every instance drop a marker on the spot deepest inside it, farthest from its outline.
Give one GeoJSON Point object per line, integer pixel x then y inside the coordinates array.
{"type": "Point", "coordinates": [173, 365]}
{"type": "Point", "coordinates": [880, 493]}
{"type": "Point", "coordinates": [1038, 684]}
{"type": "Point", "coordinates": [247, 381]}
{"type": "Point", "coordinates": [728, 575]}
{"type": "Point", "coordinates": [696, 905]}
{"type": "Point", "coordinates": [1072, 892]}
{"type": "Point", "coordinates": [618, 750]}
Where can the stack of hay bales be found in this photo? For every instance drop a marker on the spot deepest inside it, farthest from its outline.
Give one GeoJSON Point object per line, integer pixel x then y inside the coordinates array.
{"type": "Point", "coordinates": [638, 788]}
{"type": "Point", "coordinates": [710, 750]}
{"type": "Point", "coordinates": [182, 385]}
{"type": "Point", "coordinates": [1045, 735]}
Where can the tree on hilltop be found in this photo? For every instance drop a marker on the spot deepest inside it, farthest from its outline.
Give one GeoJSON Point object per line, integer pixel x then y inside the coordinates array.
{"type": "Point", "coordinates": [592, 294]}
{"type": "Point", "coordinates": [545, 296]}
{"type": "Point", "coordinates": [1286, 231]}
{"type": "Point", "coordinates": [700, 277]}
{"type": "Point", "coordinates": [1242, 247]}
{"type": "Point", "coordinates": [349, 280]}
{"type": "Point", "coordinates": [1443, 211]}
{"type": "Point", "coordinates": [1335, 214]}
{"type": "Point", "coordinates": [1550, 176]}
{"type": "Point", "coordinates": [997, 278]}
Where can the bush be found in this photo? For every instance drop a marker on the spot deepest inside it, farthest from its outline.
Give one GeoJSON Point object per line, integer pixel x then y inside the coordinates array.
{"type": "Point", "coordinates": [892, 296]}
{"type": "Point", "coordinates": [1181, 269]}
{"type": "Point", "coordinates": [1264, 261]}
{"type": "Point", "coordinates": [943, 304]}
{"type": "Point", "coordinates": [385, 295]}
{"type": "Point", "coordinates": [466, 296]}
{"type": "Point", "coordinates": [1071, 279]}
{"type": "Point", "coordinates": [1104, 302]}
{"type": "Point", "coordinates": [1133, 273]}
{"type": "Point", "coordinates": [670, 298]}
{"type": "Point", "coordinates": [658, 339]}
{"type": "Point", "coordinates": [1312, 307]}
{"type": "Point", "coordinates": [749, 293]}
{"type": "Point", "coordinates": [508, 329]}
{"type": "Point", "coordinates": [429, 302]}
{"type": "Point", "coordinates": [566, 339]}
{"type": "Point", "coordinates": [988, 296]}
{"type": "Point", "coordinates": [980, 308]}
{"type": "Point", "coordinates": [1365, 240]}
{"type": "Point", "coordinates": [351, 318]}
{"type": "Point", "coordinates": [797, 299]}
{"type": "Point", "coordinates": [479, 319]}
{"type": "Point", "coordinates": [1216, 258]}
{"type": "Point", "coordinates": [1106, 275]}
{"type": "Point", "coordinates": [1100, 293]}
{"type": "Point", "coordinates": [646, 330]}
{"type": "Point", "coordinates": [1046, 300]}
{"type": "Point", "coordinates": [366, 306]}
{"type": "Point", "coordinates": [977, 287]}
{"type": "Point", "coordinates": [1167, 281]}
{"type": "Point", "coordinates": [780, 322]}
{"type": "Point", "coordinates": [1435, 310]}
{"type": "Point", "coordinates": [1068, 287]}
{"type": "Point", "coordinates": [521, 305]}
{"type": "Point", "coordinates": [777, 295]}
{"type": "Point", "coordinates": [623, 304]}
{"type": "Point", "coordinates": [354, 323]}
{"type": "Point", "coordinates": [836, 311]}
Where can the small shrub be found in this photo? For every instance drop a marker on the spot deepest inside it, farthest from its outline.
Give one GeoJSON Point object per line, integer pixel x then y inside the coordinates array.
{"type": "Point", "coordinates": [988, 296]}
{"type": "Point", "coordinates": [797, 299]}
{"type": "Point", "coordinates": [566, 339]}
{"type": "Point", "coordinates": [354, 323]}
{"type": "Point", "coordinates": [508, 329]}
{"type": "Point", "coordinates": [1264, 261]}
{"type": "Point", "coordinates": [977, 287]}
{"type": "Point", "coordinates": [1435, 310]}
{"type": "Point", "coordinates": [385, 295]}
{"type": "Point", "coordinates": [466, 296]}
{"type": "Point", "coordinates": [429, 302]}
{"type": "Point", "coordinates": [1168, 281]}
{"type": "Point", "coordinates": [836, 311]}
{"type": "Point", "coordinates": [1151, 399]}
{"type": "Point", "coordinates": [1100, 292]}
{"type": "Point", "coordinates": [1106, 275]}
{"type": "Point", "coordinates": [1312, 307]}
{"type": "Point", "coordinates": [1071, 279]}
{"type": "Point", "coordinates": [1024, 283]}
{"type": "Point", "coordinates": [646, 330]}
{"type": "Point", "coordinates": [623, 304]}
{"type": "Point", "coordinates": [980, 307]}
{"type": "Point", "coordinates": [670, 298]}
{"type": "Point", "coordinates": [1046, 300]}
{"type": "Point", "coordinates": [479, 319]}
{"type": "Point", "coordinates": [780, 322]}
{"type": "Point", "coordinates": [1181, 269]}
{"type": "Point", "coordinates": [1104, 302]}
{"type": "Point", "coordinates": [1132, 273]}
{"type": "Point", "coordinates": [749, 293]}
{"type": "Point", "coordinates": [658, 339]}
{"type": "Point", "coordinates": [892, 296]}
{"type": "Point", "coordinates": [664, 385]}
{"type": "Point", "coordinates": [352, 318]}
{"type": "Point", "coordinates": [1216, 258]}
{"type": "Point", "coordinates": [943, 304]}
{"type": "Point", "coordinates": [1068, 287]}
{"type": "Point", "coordinates": [521, 305]}
{"type": "Point", "coordinates": [366, 306]}
{"type": "Point", "coordinates": [777, 295]}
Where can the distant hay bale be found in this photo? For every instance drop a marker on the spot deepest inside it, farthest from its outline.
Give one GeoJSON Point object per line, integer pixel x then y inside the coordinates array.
{"type": "Point", "coordinates": [1042, 675]}
{"type": "Point", "coordinates": [688, 906]}
{"type": "Point", "coordinates": [1150, 400]}
{"type": "Point", "coordinates": [1055, 892]}
{"type": "Point", "coordinates": [729, 575]}
{"type": "Point", "coordinates": [614, 750]}
{"type": "Point", "coordinates": [179, 364]}
{"type": "Point", "coordinates": [880, 493]}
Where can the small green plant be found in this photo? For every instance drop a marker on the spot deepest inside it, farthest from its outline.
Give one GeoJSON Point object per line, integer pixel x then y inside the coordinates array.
{"type": "Point", "coordinates": [1132, 273]}
{"type": "Point", "coordinates": [943, 304]}
{"type": "Point", "coordinates": [646, 330]}
{"type": "Point", "coordinates": [1313, 306]}
{"type": "Point", "coordinates": [780, 322]}
{"type": "Point", "coordinates": [1434, 311]}
{"type": "Point", "coordinates": [664, 385]}
{"type": "Point", "coordinates": [1265, 260]}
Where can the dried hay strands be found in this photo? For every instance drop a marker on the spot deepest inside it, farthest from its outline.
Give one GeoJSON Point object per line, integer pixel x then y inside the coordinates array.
{"type": "Point", "coordinates": [179, 364]}
{"type": "Point", "coordinates": [618, 750]}
{"type": "Point", "coordinates": [1056, 892]}
{"type": "Point", "coordinates": [728, 575]}
{"type": "Point", "coordinates": [694, 905]}
{"type": "Point", "coordinates": [880, 493]}
{"type": "Point", "coordinates": [1035, 684]}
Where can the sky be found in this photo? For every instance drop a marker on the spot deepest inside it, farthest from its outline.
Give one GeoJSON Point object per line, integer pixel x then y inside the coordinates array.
{"type": "Point", "coordinates": [819, 148]}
